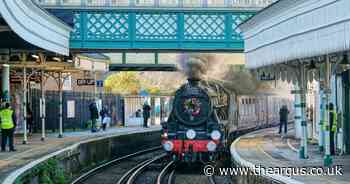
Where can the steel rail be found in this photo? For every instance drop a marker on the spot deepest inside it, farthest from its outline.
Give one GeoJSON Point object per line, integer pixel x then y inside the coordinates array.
{"type": "Point", "coordinates": [164, 172]}
{"type": "Point", "coordinates": [107, 164]}
{"type": "Point", "coordinates": [141, 167]}
{"type": "Point", "coordinates": [171, 176]}
{"type": "Point", "coordinates": [211, 179]}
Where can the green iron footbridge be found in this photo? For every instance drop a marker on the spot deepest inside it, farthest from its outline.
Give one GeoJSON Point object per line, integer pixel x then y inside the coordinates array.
{"type": "Point", "coordinates": [158, 25]}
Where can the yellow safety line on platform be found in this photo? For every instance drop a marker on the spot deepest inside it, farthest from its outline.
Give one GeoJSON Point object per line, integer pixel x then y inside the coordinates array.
{"type": "Point", "coordinates": [265, 153]}
{"type": "Point", "coordinates": [291, 146]}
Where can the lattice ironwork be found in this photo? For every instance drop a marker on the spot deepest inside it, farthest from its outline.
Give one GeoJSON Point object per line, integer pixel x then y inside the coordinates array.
{"type": "Point", "coordinates": [204, 26]}
{"type": "Point", "coordinates": [76, 33]}
{"type": "Point", "coordinates": [156, 26]}
{"type": "Point", "coordinates": [107, 26]}
{"type": "Point", "coordinates": [188, 30]}
{"type": "Point", "coordinates": [237, 20]}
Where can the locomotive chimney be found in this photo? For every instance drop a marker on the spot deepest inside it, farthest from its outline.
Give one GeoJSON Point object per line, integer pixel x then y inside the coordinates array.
{"type": "Point", "coordinates": [193, 81]}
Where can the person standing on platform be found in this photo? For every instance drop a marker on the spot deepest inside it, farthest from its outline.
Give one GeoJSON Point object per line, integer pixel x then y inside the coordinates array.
{"type": "Point", "coordinates": [332, 126]}
{"type": "Point", "coordinates": [8, 126]}
{"type": "Point", "coordinates": [283, 119]}
{"type": "Point", "coordinates": [30, 122]}
{"type": "Point", "coordinates": [93, 115]}
{"type": "Point", "coordinates": [105, 118]}
{"type": "Point", "coordinates": [146, 114]}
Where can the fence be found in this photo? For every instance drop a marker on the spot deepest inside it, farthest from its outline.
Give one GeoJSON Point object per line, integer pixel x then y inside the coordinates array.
{"type": "Point", "coordinates": [78, 109]}
{"type": "Point", "coordinates": [257, 111]}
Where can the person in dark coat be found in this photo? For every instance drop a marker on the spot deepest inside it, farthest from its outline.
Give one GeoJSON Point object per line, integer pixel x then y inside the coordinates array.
{"type": "Point", "coordinates": [104, 114]}
{"type": "Point", "coordinates": [283, 119]}
{"type": "Point", "coordinates": [146, 114]}
{"type": "Point", "coordinates": [30, 120]}
{"type": "Point", "coordinates": [93, 115]}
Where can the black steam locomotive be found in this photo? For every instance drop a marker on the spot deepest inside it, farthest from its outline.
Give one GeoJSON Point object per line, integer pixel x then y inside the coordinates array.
{"type": "Point", "coordinates": [193, 131]}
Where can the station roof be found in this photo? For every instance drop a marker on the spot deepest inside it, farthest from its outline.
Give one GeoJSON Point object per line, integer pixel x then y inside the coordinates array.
{"type": "Point", "coordinates": [24, 25]}
{"type": "Point", "coordinates": [299, 29]}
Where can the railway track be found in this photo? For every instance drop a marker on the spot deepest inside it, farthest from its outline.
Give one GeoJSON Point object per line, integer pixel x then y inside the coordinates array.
{"type": "Point", "coordinates": [171, 174]}
{"type": "Point", "coordinates": [108, 169]}
{"type": "Point", "coordinates": [149, 166]}
{"type": "Point", "coordinates": [136, 172]}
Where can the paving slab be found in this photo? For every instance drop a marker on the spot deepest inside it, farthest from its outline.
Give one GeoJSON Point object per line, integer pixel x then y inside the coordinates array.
{"type": "Point", "coordinates": [268, 149]}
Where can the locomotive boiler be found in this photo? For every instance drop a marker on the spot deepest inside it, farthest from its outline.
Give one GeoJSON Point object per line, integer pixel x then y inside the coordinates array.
{"type": "Point", "coordinates": [194, 131]}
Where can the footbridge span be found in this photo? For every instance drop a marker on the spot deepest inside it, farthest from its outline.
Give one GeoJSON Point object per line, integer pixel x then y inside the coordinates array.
{"type": "Point", "coordinates": [155, 25]}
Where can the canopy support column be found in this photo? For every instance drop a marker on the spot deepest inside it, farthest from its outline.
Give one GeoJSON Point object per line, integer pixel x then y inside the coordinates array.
{"type": "Point", "coordinates": [298, 116]}
{"type": "Point", "coordinates": [60, 86]}
{"type": "Point", "coordinates": [327, 158]}
{"type": "Point", "coordinates": [24, 103]}
{"type": "Point", "coordinates": [303, 89]}
{"type": "Point", "coordinates": [42, 99]}
{"type": "Point", "coordinates": [322, 120]}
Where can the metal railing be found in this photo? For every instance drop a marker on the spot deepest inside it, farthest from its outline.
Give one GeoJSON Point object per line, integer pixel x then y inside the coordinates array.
{"type": "Point", "coordinates": [157, 3]}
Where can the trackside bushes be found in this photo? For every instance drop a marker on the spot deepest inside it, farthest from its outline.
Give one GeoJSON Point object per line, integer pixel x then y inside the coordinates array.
{"type": "Point", "coordinates": [48, 172]}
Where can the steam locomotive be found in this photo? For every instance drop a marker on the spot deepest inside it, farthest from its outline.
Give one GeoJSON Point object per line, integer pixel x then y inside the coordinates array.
{"type": "Point", "coordinates": [194, 131]}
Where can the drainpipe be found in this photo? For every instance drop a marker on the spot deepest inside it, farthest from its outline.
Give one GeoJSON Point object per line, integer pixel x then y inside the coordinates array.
{"type": "Point", "coordinates": [6, 82]}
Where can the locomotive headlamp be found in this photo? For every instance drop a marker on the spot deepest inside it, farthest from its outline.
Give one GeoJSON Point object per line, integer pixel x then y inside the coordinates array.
{"type": "Point", "coordinates": [190, 134]}
{"type": "Point", "coordinates": [215, 135]}
{"type": "Point", "coordinates": [211, 146]}
{"type": "Point", "coordinates": [168, 146]}
{"type": "Point", "coordinates": [165, 135]}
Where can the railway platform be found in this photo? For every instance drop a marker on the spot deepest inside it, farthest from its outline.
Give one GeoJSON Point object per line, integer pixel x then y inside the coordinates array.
{"type": "Point", "coordinates": [267, 149]}
{"type": "Point", "coordinates": [35, 148]}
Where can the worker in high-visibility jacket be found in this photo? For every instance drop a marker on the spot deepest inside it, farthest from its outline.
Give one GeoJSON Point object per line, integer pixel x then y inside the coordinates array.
{"type": "Point", "coordinates": [333, 127]}
{"type": "Point", "coordinates": [8, 126]}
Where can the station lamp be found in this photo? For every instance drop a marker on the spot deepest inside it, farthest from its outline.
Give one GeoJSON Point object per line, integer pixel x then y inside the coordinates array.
{"type": "Point", "coordinates": [344, 64]}
{"type": "Point", "coordinates": [345, 61]}
{"type": "Point", "coordinates": [312, 66]}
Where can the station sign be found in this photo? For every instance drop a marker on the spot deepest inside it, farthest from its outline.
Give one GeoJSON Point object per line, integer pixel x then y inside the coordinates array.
{"type": "Point", "coordinates": [85, 82]}
{"type": "Point", "coordinates": [19, 78]}
{"type": "Point", "coordinates": [99, 83]}
{"type": "Point", "coordinates": [267, 77]}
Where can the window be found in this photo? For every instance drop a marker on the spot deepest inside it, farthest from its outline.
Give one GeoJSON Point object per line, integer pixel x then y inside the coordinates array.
{"type": "Point", "coordinates": [216, 3]}
{"type": "Point", "coordinates": [168, 3]}
{"type": "Point", "coordinates": [192, 3]}
{"type": "Point", "coordinates": [144, 2]}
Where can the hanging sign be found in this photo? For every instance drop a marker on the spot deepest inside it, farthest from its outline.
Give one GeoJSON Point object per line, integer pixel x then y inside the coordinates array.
{"type": "Point", "coordinates": [267, 77]}
{"type": "Point", "coordinates": [85, 82]}
{"type": "Point", "coordinates": [99, 83]}
{"type": "Point", "coordinates": [19, 78]}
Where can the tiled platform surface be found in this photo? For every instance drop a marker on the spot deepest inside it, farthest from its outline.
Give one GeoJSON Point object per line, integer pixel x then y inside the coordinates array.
{"type": "Point", "coordinates": [10, 161]}
{"type": "Point", "coordinates": [268, 149]}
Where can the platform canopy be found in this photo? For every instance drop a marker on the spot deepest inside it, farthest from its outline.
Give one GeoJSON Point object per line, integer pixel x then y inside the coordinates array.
{"type": "Point", "coordinates": [296, 29]}
{"type": "Point", "coordinates": [34, 25]}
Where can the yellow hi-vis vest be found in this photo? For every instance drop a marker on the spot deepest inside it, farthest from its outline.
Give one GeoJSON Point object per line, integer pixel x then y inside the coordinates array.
{"type": "Point", "coordinates": [334, 126]}
{"type": "Point", "coordinates": [6, 119]}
